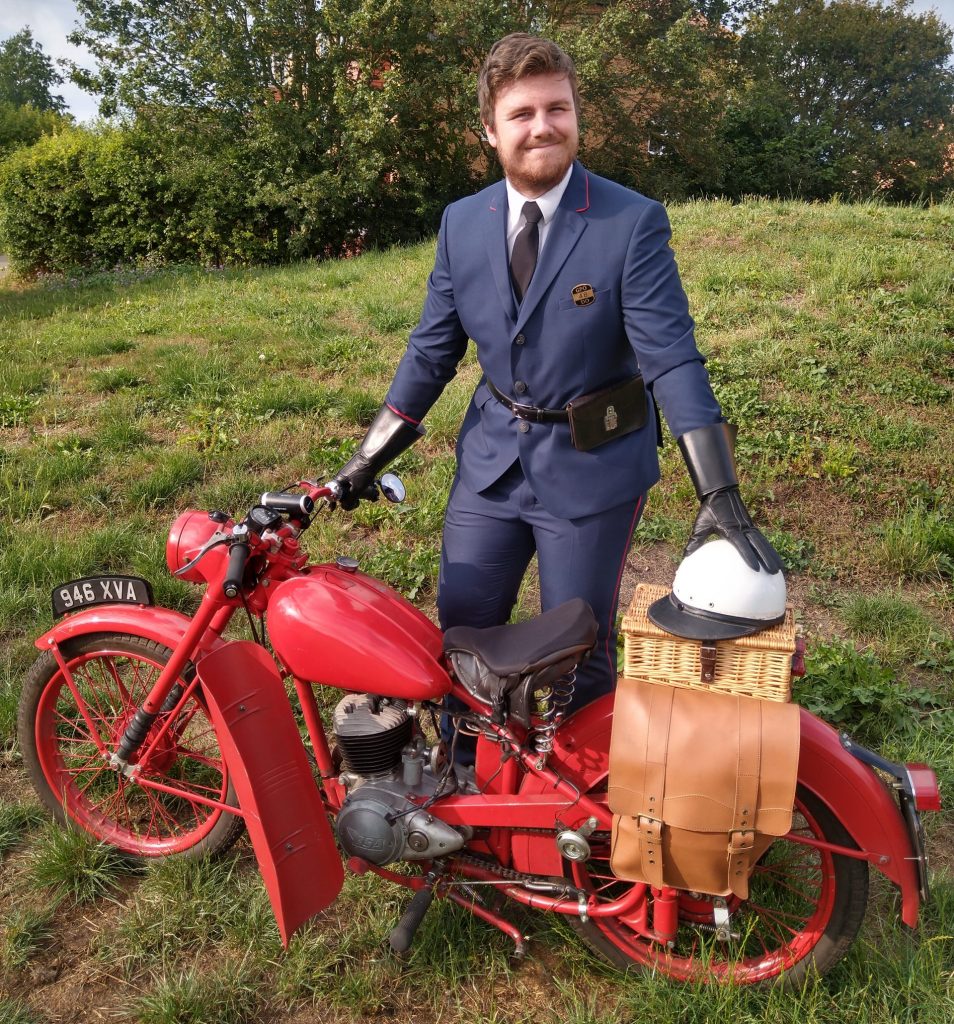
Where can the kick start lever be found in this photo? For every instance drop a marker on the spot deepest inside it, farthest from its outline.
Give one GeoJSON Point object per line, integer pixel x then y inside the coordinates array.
{"type": "Point", "coordinates": [403, 934]}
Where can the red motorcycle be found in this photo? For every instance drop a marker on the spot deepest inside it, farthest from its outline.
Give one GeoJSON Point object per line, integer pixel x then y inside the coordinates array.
{"type": "Point", "coordinates": [159, 736]}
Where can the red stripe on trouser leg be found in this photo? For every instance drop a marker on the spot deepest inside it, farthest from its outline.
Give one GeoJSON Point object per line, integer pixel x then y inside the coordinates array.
{"type": "Point", "coordinates": [397, 412]}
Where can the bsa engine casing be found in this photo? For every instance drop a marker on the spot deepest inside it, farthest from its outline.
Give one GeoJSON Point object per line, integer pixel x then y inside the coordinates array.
{"type": "Point", "coordinates": [382, 819]}
{"type": "Point", "coordinates": [349, 630]}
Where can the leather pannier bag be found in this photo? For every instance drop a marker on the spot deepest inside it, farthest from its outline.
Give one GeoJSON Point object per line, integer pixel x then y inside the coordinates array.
{"type": "Point", "coordinates": [700, 784]}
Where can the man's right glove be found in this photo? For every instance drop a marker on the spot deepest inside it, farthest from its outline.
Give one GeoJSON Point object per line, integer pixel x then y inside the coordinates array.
{"type": "Point", "coordinates": [387, 437]}
{"type": "Point", "coordinates": [708, 455]}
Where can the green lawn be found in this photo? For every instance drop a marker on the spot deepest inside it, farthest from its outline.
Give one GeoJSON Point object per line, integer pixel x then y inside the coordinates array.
{"type": "Point", "coordinates": [127, 397]}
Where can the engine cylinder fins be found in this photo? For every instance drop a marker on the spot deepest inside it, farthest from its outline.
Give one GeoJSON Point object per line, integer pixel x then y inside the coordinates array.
{"type": "Point", "coordinates": [371, 733]}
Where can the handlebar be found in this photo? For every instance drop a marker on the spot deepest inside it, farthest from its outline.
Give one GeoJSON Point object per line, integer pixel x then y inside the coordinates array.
{"type": "Point", "coordinates": [256, 532]}
{"type": "Point", "coordinates": [288, 503]}
{"type": "Point", "coordinates": [238, 557]}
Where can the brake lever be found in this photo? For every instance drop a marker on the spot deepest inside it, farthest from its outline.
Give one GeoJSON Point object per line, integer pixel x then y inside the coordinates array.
{"type": "Point", "coordinates": [215, 540]}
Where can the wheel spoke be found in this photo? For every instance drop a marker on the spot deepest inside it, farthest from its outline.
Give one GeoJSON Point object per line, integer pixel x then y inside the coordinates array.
{"type": "Point", "coordinates": [794, 893]}
{"type": "Point", "coordinates": [78, 719]}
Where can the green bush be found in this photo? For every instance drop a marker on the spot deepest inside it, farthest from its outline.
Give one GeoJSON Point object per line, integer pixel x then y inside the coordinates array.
{"type": "Point", "coordinates": [108, 196]}
{"type": "Point", "coordinates": [22, 126]}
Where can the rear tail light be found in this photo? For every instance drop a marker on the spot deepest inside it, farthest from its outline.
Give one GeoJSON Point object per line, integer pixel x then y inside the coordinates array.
{"type": "Point", "coordinates": [927, 796]}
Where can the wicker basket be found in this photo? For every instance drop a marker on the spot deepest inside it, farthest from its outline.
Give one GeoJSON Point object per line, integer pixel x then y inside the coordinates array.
{"type": "Point", "coordinates": [752, 666]}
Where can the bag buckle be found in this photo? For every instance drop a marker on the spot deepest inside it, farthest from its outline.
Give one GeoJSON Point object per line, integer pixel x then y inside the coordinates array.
{"type": "Point", "coordinates": [741, 840]}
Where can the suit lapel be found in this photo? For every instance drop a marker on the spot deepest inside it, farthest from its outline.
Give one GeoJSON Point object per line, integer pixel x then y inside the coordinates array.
{"type": "Point", "coordinates": [565, 230]}
{"type": "Point", "coordinates": [495, 238]}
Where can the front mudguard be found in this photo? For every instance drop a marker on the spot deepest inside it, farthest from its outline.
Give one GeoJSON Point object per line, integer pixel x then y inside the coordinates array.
{"type": "Point", "coordinates": [280, 802]}
{"type": "Point", "coordinates": [163, 625]}
{"type": "Point", "coordinates": [850, 788]}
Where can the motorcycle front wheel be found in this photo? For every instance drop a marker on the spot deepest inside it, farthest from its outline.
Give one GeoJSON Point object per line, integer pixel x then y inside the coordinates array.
{"type": "Point", "coordinates": [804, 910]}
{"type": "Point", "coordinates": [66, 734]}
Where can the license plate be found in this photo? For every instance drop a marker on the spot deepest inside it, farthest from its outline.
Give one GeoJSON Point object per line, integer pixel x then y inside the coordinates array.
{"type": "Point", "coordinates": [94, 590]}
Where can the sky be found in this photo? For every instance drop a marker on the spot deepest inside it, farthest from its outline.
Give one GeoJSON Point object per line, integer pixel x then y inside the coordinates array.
{"type": "Point", "coordinates": [52, 20]}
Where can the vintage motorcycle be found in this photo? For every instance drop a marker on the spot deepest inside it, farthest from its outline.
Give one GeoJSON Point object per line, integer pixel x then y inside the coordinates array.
{"type": "Point", "coordinates": [158, 735]}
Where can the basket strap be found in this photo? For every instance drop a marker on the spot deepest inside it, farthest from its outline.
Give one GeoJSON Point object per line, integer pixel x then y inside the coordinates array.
{"type": "Point", "coordinates": [742, 836]}
{"type": "Point", "coordinates": [649, 822]}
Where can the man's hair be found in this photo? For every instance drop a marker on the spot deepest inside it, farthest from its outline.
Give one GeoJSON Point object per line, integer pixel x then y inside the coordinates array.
{"type": "Point", "coordinates": [517, 56]}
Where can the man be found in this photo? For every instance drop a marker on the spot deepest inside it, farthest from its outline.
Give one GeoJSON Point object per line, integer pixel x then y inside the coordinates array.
{"type": "Point", "coordinates": [566, 284]}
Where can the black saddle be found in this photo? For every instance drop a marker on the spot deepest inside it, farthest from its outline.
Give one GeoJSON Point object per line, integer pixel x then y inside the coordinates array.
{"type": "Point", "coordinates": [503, 665]}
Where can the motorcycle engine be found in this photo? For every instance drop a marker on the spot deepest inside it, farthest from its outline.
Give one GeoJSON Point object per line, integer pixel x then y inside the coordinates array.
{"type": "Point", "coordinates": [388, 779]}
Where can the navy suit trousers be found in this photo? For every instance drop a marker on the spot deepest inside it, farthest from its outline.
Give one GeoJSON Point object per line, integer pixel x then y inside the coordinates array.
{"type": "Point", "coordinates": [489, 540]}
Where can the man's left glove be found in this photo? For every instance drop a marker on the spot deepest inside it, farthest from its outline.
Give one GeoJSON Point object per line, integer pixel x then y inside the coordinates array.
{"type": "Point", "coordinates": [708, 455]}
{"type": "Point", "coordinates": [387, 437]}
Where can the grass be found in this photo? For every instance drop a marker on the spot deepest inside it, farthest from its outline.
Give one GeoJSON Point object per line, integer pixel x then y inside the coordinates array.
{"type": "Point", "coordinates": [15, 1011]}
{"type": "Point", "coordinates": [17, 820]}
{"type": "Point", "coordinates": [23, 933]}
{"type": "Point", "coordinates": [128, 397]}
{"type": "Point", "coordinates": [70, 867]}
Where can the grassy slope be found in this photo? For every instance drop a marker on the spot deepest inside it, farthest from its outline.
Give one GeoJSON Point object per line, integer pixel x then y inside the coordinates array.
{"type": "Point", "coordinates": [125, 398]}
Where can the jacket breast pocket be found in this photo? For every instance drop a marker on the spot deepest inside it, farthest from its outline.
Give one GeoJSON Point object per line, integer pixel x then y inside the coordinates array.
{"type": "Point", "coordinates": [585, 301]}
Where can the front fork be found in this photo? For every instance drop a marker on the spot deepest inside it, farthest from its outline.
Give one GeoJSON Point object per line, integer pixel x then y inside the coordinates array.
{"type": "Point", "coordinates": [213, 615]}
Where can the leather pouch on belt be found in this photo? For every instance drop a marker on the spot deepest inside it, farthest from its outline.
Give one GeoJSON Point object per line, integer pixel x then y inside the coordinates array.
{"type": "Point", "coordinates": [604, 415]}
{"type": "Point", "coordinates": [700, 784]}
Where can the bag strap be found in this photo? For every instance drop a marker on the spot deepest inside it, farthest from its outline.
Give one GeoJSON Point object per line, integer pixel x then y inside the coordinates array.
{"type": "Point", "coordinates": [649, 822]}
{"type": "Point", "coordinates": [742, 836]}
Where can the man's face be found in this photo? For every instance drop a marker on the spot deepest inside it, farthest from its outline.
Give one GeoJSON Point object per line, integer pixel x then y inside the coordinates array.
{"type": "Point", "coordinates": [535, 132]}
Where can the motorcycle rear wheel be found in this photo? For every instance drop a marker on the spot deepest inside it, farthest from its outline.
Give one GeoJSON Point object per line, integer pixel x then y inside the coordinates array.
{"type": "Point", "coordinates": [113, 672]}
{"type": "Point", "coordinates": [804, 910]}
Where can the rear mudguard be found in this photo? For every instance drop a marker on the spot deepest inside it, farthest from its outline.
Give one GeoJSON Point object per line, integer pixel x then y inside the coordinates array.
{"type": "Point", "coordinates": [284, 815]}
{"type": "Point", "coordinates": [163, 625]}
{"type": "Point", "coordinates": [855, 794]}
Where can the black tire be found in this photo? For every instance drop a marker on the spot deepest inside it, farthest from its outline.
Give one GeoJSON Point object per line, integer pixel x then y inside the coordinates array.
{"type": "Point", "coordinates": [113, 672]}
{"type": "Point", "coordinates": [827, 895]}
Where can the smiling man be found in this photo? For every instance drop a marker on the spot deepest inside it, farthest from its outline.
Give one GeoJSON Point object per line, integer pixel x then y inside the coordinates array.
{"type": "Point", "coordinates": [566, 284]}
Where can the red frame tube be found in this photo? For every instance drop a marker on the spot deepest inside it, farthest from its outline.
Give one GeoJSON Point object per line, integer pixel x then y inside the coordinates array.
{"type": "Point", "coordinates": [628, 904]}
{"type": "Point", "coordinates": [184, 650]}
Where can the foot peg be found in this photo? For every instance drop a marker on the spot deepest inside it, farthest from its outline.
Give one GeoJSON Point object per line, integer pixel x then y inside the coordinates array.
{"type": "Point", "coordinates": [403, 935]}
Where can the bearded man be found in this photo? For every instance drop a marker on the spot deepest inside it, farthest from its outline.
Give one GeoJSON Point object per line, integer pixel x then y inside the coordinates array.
{"type": "Point", "coordinates": [566, 284]}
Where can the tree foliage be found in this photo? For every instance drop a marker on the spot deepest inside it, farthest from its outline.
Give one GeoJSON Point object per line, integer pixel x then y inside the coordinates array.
{"type": "Point", "coordinates": [282, 129]}
{"type": "Point", "coordinates": [846, 96]}
{"type": "Point", "coordinates": [27, 75]}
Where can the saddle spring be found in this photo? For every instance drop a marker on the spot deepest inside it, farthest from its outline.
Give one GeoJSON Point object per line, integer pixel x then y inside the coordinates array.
{"type": "Point", "coordinates": [548, 708]}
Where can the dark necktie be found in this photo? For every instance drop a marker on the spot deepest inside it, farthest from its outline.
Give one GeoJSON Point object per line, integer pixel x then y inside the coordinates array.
{"type": "Point", "coordinates": [523, 259]}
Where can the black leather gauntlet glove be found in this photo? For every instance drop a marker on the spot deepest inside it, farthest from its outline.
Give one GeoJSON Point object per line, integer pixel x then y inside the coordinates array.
{"type": "Point", "coordinates": [387, 437]}
{"type": "Point", "coordinates": [708, 455]}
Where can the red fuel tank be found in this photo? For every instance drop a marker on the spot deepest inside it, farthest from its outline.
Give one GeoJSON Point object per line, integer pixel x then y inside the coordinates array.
{"type": "Point", "coordinates": [349, 630]}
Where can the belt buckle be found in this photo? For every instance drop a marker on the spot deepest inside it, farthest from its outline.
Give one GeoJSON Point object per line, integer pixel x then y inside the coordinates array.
{"type": "Point", "coordinates": [525, 412]}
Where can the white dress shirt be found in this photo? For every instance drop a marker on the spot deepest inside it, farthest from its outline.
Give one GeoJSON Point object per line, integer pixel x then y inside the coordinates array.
{"type": "Point", "coordinates": [548, 204]}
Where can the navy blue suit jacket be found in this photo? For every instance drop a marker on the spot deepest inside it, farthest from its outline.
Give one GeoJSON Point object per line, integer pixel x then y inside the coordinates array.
{"type": "Point", "coordinates": [548, 350]}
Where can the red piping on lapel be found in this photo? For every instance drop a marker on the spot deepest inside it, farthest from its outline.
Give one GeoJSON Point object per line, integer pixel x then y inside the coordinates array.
{"type": "Point", "coordinates": [403, 416]}
{"type": "Point", "coordinates": [583, 209]}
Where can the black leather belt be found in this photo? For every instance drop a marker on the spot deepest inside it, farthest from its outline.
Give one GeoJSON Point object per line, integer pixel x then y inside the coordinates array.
{"type": "Point", "coordinates": [528, 412]}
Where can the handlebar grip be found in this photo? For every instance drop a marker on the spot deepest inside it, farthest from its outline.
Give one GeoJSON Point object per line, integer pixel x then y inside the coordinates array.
{"type": "Point", "coordinates": [238, 557]}
{"type": "Point", "coordinates": [301, 504]}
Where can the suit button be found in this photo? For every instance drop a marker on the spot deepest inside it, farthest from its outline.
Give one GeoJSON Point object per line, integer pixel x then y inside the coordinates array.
{"type": "Point", "coordinates": [523, 427]}
{"type": "Point", "coordinates": [520, 387]}
{"type": "Point", "coordinates": [520, 339]}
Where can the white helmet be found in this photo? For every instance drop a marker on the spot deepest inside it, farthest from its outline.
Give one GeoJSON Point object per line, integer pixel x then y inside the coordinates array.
{"type": "Point", "coordinates": [716, 596]}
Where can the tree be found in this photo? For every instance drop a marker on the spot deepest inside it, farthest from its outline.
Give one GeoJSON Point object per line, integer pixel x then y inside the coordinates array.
{"type": "Point", "coordinates": [27, 75]}
{"type": "Point", "coordinates": [654, 75]}
{"type": "Point", "coordinates": [845, 96]}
